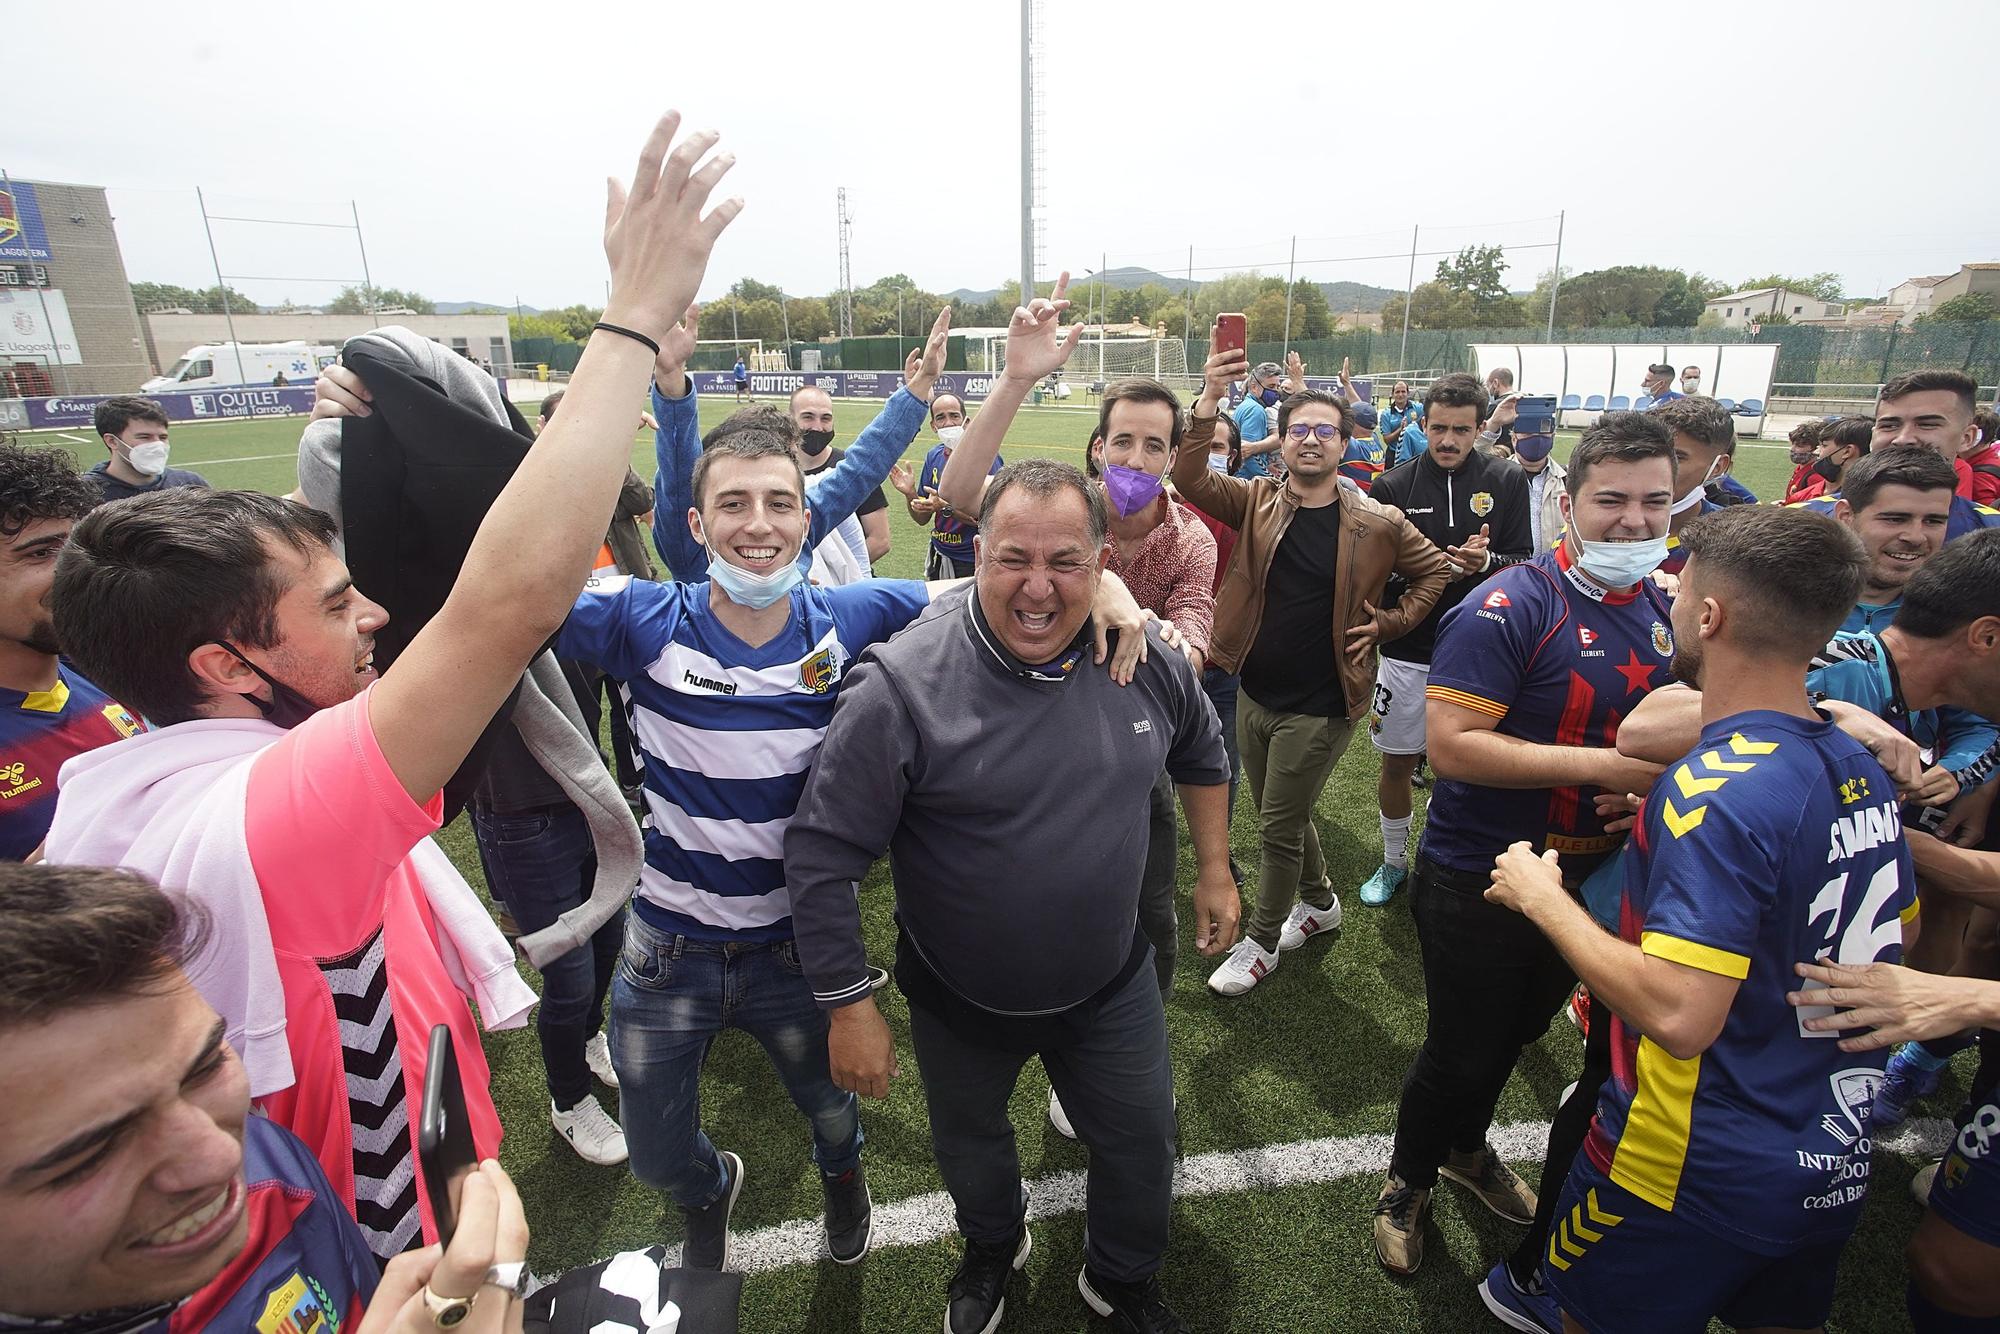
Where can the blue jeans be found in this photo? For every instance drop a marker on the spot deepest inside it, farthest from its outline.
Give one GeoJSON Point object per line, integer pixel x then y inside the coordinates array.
{"type": "Point", "coordinates": [541, 864]}
{"type": "Point", "coordinates": [670, 1000]}
{"type": "Point", "coordinates": [1221, 689]}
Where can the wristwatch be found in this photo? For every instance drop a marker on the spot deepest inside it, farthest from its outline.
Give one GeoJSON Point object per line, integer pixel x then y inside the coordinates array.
{"type": "Point", "coordinates": [446, 1312]}
{"type": "Point", "coordinates": [510, 1277]}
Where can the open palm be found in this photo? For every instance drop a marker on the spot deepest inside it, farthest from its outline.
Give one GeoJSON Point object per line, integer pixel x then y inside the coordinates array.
{"type": "Point", "coordinates": [1035, 341]}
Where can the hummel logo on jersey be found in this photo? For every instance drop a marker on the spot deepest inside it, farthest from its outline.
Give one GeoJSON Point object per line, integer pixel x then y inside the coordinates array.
{"type": "Point", "coordinates": [1498, 598]}
{"type": "Point", "coordinates": [704, 683]}
{"type": "Point", "coordinates": [1143, 726]}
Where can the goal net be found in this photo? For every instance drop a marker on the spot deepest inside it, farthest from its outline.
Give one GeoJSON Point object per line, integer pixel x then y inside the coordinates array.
{"type": "Point", "coordinates": [719, 354]}
{"type": "Point", "coordinates": [1116, 359]}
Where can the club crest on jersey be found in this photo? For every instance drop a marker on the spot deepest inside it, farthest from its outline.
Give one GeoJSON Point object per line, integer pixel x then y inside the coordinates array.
{"type": "Point", "coordinates": [1663, 643]}
{"type": "Point", "coordinates": [1482, 503]}
{"type": "Point", "coordinates": [299, 1305]}
{"type": "Point", "coordinates": [121, 720]}
{"type": "Point", "coordinates": [1497, 598]}
{"type": "Point", "coordinates": [817, 672]}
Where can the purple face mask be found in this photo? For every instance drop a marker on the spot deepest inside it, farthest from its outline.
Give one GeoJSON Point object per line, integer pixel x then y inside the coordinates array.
{"type": "Point", "coordinates": [1129, 490]}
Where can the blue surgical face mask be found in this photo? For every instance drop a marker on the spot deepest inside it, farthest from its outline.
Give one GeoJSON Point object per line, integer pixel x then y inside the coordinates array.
{"type": "Point", "coordinates": [1619, 564]}
{"type": "Point", "coordinates": [1269, 398]}
{"type": "Point", "coordinates": [755, 591]}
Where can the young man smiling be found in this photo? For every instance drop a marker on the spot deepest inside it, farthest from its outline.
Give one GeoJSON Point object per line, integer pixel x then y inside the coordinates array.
{"type": "Point", "coordinates": [1898, 503]}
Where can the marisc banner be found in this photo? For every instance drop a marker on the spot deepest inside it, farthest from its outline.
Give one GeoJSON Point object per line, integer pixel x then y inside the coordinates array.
{"type": "Point", "coordinates": [200, 405]}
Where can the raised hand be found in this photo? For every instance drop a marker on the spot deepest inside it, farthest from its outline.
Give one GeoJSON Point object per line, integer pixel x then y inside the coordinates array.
{"type": "Point", "coordinates": [675, 349]}
{"type": "Point", "coordinates": [655, 236]}
{"type": "Point", "coordinates": [1222, 369]}
{"type": "Point", "coordinates": [904, 480]}
{"type": "Point", "coordinates": [1035, 342]}
{"type": "Point", "coordinates": [1295, 368]}
{"type": "Point", "coordinates": [923, 367]}
{"type": "Point", "coordinates": [1471, 557]}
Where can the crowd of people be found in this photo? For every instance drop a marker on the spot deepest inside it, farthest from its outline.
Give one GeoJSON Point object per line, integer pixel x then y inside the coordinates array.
{"type": "Point", "coordinates": [1699, 766]}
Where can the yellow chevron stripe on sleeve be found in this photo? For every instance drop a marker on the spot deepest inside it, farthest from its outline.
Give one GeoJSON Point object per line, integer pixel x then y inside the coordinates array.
{"type": "Point", "coordinates": [1744, 746]}
{"type": "Point", "coordinates": [1691, 786]}
{"type": "Point", "coordinates": [1712, 759]}
{"type": "Point", "coordinates": [1677, 823]}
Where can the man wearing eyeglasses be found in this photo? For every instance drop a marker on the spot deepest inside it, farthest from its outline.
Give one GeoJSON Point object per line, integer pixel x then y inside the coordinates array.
{"type": "Point", "coordinates": [1474, 507]}
{"type": "Point", "coordinates": [1297, 617]}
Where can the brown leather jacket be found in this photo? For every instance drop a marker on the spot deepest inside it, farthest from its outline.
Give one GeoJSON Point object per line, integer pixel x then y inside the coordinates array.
{"type": "Point", "coordinates": [1375, 542]}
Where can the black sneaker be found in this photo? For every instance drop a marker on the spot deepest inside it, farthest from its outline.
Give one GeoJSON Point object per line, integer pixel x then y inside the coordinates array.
{"type": "Point", "coordinates": [1134, 1308]}
{"type": "Point", "coordinates": [850, 1215]}
{"type": "Point", "coordinates": [978, 1291]}
{"type": "Point", "coordinates": [705, 1240]}
{"type": "Point", "coordinates": [1421, 776]}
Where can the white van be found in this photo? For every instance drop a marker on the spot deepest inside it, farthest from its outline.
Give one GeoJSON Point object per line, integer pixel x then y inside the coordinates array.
{"type": "Point", "coordinates": [221, 365]}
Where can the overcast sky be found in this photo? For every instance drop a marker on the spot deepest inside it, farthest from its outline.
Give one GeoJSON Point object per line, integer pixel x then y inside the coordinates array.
{"type": "Point", "coordinates": [1733, 138]}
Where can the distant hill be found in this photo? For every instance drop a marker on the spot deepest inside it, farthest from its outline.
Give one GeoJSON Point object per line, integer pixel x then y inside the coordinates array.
{"type": "Point", "coordinates": [1340, 297]}
{"type": "Point", "coordinates": [1343, 297]}
{"type": "Point", "coordinates": [463, 307]}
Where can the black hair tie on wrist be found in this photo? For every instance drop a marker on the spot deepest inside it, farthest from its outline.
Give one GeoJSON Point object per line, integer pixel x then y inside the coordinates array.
{"type": "Point", "coordinates": [633, 334]}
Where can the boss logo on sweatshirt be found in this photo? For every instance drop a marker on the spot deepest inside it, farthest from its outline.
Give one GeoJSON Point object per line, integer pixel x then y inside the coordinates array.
{"type": "Point", "coordinates": [1143, 726]}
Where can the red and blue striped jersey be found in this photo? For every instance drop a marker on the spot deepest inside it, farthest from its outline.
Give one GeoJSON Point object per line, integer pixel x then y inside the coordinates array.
{"type": "Point", "coordinates": [1775, 841]}
{"type": "Point", "coordinates": [1557, 660]}
{"type": "Point", "coordinates": [38, 731]}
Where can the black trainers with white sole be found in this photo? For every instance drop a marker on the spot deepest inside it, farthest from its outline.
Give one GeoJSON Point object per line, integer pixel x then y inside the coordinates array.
{"type": "Point", "coordinates": [1132, 1308]}
{"type": "Point", "coordinates": [850, 1215]}
{"type": "Point", "coordinates": [705, 1241]}
{"type": "Point", "coordinates": [977, 1296]}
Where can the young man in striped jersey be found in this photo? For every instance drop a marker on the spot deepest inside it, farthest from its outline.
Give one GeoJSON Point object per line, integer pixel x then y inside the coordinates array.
{"type": "Point", "coordinates": [731, 683]}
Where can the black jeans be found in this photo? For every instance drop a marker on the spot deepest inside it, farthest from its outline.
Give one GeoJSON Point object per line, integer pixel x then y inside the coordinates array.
{"type": "Point", "coordinates": [1492, 982]}
{"type": "Point", "coordinates": [1118, 1091]}
{"type": "Point", "coordinates": [1156, 890]}
{"type": "Point", "coordinates": [1567, 1132]}
{"type": "Point", "coordinates": [541, 864]}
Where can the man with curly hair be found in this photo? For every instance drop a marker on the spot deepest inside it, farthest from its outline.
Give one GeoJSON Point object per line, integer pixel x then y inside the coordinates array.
{"type": "Point", "coordinates": [48, 711]}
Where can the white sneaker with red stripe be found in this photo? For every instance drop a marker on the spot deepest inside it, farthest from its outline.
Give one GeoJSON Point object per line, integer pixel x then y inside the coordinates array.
{"type": "Point", "coordinates": [1306, 922]}
{"type": "Point", "coordinates": [1247, 965]}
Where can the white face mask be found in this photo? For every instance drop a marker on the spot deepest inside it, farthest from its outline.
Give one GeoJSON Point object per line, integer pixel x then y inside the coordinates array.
{"type": "Point", "coordinates": [1619, 564]}
{"type": "Point", "coordinates": [949, 436]}
{"type": "Point", "coordinates": [1219, 462]}
{"type": "Point", "coordinates": [148, 460]}
{"type": "Point", "coordinates": [1693, 498]}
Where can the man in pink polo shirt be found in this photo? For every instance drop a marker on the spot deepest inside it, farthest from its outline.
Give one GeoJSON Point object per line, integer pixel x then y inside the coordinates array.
{"type": "Point", "coordinates": [290, 793]}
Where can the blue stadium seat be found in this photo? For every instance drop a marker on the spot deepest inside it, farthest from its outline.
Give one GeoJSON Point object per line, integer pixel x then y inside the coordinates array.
{"type": "Point", "coordinates": [1751, 407]}
{"type": "Point", "coordinates": [1642, 402]}
{"type": "Point", "coordinates": [1595, 403]}
{"type": "Point", "coordinates": [1728, 404]}
{"type": "Point", "coordinates": [1620, 403]}
{"type": "Point", "coordinates": [1572, 402]}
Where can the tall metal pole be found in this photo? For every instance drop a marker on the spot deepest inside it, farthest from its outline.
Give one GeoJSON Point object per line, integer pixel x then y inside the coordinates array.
{"type": "Point", "coordinates": [1291, 271]}
{"type": "Point", "coordinates": [1103, 317]}
{"type": "Point", "coordinates": [229, 318]}
{"type": "Point", "coordinates": [1555, 284]}
{"type": "Point", "coordinates": [785, 317]}
{"type": "Point", "coordinates": [1027, 152]}
{"type": "Point", "coordinates": [41, 289]}
{"type": "Point", "coordinates": [1409, 291]}
{"type": "Point", "coordinates": [367, 281]}
{"type": "Point", "coordinates": [1187, 303]}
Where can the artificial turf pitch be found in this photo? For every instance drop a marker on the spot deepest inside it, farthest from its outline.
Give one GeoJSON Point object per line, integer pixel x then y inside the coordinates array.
{"type": "Point", "coordinates": [1318, 1050]}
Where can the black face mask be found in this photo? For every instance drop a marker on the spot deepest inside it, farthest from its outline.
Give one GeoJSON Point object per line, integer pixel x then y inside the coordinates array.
{"type": "Point", "coordinates": [813, 443]}
{"type": "Point", "coordinates": [1828, 469]}
{"type": "Point", "coordinates": [286, 708]}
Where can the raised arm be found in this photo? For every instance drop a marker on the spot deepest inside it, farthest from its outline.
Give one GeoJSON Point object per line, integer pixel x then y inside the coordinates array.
{"type": "Point", "coordinates": [676, 446]}
{"type": "Point", "coordinates": [868, 461]}
{"type": "Point", "coordinates": [1224, 499]}
{"type": "Point", "coordinates": [1035, 348]}
{"type": "Point", "coordinates": [534, 550]}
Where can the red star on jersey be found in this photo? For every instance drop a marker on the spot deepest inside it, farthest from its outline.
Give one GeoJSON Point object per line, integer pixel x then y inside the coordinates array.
{"type": "Point", "coordinates": [1638, 675]}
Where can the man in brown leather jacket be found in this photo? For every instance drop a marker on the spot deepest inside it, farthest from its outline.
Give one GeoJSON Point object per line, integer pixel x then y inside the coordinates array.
{"type": "Point", "coordinates": [1297, 618]}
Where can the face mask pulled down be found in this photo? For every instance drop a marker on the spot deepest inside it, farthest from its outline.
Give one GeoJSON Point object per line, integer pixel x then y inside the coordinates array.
{"type": "Point", "coordinates": [286, 708]}
{"type": "Point", "coordinates": [748, 589]}
{"type": "Point", "coordinates": [1619, 564]}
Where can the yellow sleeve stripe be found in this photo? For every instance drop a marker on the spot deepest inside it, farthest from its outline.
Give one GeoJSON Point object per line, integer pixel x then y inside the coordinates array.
{"type": "Point", "coordinates": [1478, 704]}
{"type": "Point", "coordinates": [1909, 914]}
{"type": "Point", "coordinates": [1705, 957]}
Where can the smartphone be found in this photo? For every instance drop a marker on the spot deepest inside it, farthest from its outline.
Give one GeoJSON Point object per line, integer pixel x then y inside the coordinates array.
{"type": "Point", "coordinates": [1230, 333]}
{"type": "Point", "coordinates": [445, 1152]}
{"type": "Point", "coordinates": [1535, 415]}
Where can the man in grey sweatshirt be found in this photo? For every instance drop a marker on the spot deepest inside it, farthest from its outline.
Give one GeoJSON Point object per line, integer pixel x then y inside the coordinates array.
{"type": "Point", "coordinates": [1014, 807]}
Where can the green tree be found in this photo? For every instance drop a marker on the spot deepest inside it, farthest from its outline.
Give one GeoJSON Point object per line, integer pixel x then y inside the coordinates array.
{"type": "Point", "coordinates": [1476, 271]}
{"type": "Point", "coordinates": [1264, 321]}
{"type": "Point", "coordinates": [1432, 306]}
{"type": "Point", "coordinates": [1972, 308]}
{"type": "Point", "coordinates": [353, 301]}
{"type": "Point", "coordinates": [202, 301]}
{"type": "Point", "coordinates": [761, 318]}
{"type": "Point", "coordinates": [1824, 286]}
{"type": "Point", "coordinates": [537, 326]}
{"type": "Point", "coordinates": [749, 289]}
{"type": "Point", "coordinates": [576, 321]}
{"type": "Point", "coordinates": [811, 317]}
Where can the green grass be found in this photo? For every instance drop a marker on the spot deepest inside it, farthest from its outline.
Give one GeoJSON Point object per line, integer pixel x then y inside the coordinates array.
{"type": "Point", "coordinates": [1317, 1050]}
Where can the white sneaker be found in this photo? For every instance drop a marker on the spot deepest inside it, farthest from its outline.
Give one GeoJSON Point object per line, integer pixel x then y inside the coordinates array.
{"type": "Point", "coordinates": [1059, 1118]}
{"type": "Point", "coordinates": [589, 1129]}
{"type": "Point", "coordinates": [597, 1055]}
{"type": "Point", "coordinates": [1245, 967]}
{"type": "Point", "coordinates": [1306, 922]}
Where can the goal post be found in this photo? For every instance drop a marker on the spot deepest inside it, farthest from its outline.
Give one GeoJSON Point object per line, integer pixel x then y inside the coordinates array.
{"type": "Point", "coordinates": [1111, 359]}
{"type": "Point", "coordinates": [719, 354]}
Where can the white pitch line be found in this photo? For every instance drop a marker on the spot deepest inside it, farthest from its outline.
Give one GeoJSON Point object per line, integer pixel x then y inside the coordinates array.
{"type": "Point", "coordinates": [922, 1219]}
{"type": "Point", "coordinates": [246, 458]}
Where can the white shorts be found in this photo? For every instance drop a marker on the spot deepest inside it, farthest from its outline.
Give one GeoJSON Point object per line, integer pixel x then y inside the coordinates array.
{"type": "Point", "coordinates": [1396, 722]}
